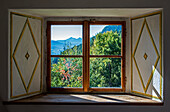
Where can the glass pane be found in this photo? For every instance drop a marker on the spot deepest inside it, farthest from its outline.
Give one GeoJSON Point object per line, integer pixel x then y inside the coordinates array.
{"type": "Point", "coordinates": [66, 72]}
{"type": "Point", "coordinates": [66, 39]}
{"type": "Point", "coordinates": [105, 72]}
{"type": "Point", "coordinates": [105, 39]}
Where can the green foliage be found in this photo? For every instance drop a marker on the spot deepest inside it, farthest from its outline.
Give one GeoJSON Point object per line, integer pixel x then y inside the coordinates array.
{"type": "Point", "coordinates": [104, 72]}
{"type": "Point", "coordinates": [108, 43]}
{"type": "Point", "coordinates": [67, 72]}
{"type": "Point", "coordinates": [76, 50]}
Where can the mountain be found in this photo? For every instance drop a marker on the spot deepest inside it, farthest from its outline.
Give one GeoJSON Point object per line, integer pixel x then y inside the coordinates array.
{"type": "Point", "coordinates": [72, 40]}
{"type": "Point", "coordinates": [58, 46]}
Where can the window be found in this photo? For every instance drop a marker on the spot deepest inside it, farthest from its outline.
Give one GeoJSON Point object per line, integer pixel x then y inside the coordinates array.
{"type": "Point", "coordinates": [86, 56]}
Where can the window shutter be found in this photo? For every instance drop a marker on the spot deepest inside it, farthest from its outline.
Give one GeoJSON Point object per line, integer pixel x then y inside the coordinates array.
{"type": "Point", "coordinates": [25, 55]}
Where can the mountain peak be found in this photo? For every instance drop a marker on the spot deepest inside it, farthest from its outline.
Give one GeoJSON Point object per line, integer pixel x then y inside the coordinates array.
{"type": "Point", "coordinates": [70, 38]}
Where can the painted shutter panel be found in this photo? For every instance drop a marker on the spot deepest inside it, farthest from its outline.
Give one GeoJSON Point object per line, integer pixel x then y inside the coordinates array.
{"type": "Point", "coordinates": [25, 55]}
{"type": "Point", "coordinates": [146, 55]}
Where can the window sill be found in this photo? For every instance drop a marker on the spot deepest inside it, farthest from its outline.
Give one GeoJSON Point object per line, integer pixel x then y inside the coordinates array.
{"type": "Point", "coordinates": [84, 99]}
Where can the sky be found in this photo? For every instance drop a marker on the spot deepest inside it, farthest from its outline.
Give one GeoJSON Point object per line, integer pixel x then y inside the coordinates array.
{"type": "Point", "coordinates": [63, 32]}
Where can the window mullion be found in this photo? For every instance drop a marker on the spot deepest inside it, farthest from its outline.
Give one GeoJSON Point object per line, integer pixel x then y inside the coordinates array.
{"type": "Point", "coordinates": [86, 51]}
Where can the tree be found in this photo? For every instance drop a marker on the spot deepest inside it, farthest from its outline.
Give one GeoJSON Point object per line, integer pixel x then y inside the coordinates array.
{"type": "Point", "coordinates": [104, 72]}
{"type": "Point", "coordinates": [67, 72]}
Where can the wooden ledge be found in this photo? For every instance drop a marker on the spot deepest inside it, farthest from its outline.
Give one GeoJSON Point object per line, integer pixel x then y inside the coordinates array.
{"type": "Point", "coordinates": [84, 99]}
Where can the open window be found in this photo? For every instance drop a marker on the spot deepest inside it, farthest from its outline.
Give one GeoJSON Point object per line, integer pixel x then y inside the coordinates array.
{"type": "Point", "coordinates": [86, 56]}
{"type": "Point", "coordinates": [51, 52]}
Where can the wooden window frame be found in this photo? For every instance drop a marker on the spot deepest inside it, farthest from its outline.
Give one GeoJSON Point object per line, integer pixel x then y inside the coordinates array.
{"type": "Point", "coordinates": [86, 56]}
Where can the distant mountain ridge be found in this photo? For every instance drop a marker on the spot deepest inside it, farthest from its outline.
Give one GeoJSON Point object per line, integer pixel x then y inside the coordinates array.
{"type": "Point", "coordinates": [73, 40]}
{"type": "Point", "coordinates": [57, 46]}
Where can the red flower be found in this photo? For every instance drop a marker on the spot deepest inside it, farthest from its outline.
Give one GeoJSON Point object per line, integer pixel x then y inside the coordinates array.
{"type": "Point", "coordinates": [64, 61]}
{"type": "Point", "coordinates": [73, 68]}
{"type": "Point", "coordinates": [68, 75]}
{"type": "Point", "coordinates": [65, 76]}
{"type": "Point", "coordinates": [67, 64]}
{"type": "Point", "coordinates": [79, 78]}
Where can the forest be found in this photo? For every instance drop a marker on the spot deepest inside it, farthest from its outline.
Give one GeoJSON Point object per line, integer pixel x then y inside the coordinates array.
{"type": "Point", "coordinates": [104, 72]}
